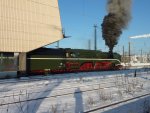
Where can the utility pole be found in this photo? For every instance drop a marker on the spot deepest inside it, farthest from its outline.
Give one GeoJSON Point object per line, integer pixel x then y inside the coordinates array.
{"type": "Point", "coordinates": [141, 55]}
{"type": "Point", "coordinates": [123, 55]}
{"type": "Point", "coordinates": [89, 44]}
{"type": "Point", "coordinates": [129, 52]}
{"type": "Point", "coordinates": [95, 37]}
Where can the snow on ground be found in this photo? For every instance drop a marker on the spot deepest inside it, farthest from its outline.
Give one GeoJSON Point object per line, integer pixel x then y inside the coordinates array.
{"type": "Point", "coordinates": [77, 92]}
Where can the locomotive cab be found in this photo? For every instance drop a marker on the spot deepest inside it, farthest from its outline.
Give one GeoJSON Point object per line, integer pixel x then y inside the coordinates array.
{"type": "Point", "coordinates": [71, 54]}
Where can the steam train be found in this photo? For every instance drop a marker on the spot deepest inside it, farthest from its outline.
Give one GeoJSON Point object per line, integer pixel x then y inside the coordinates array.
{"type": "Point", "coordinates": [45, 60]}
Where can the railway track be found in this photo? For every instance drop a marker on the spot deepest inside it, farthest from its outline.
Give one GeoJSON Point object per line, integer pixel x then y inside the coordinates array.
{"type": "Point", "coordinates": [130, 71]}
{"type": "Point", "coordinates": [63, 94]}
{"type": "Point", "coordinates": [67, 94]}
{"type": "Point", "coordinates": [116, 103]}
{"type": "Point", "coordinates": [66, 85]}
{"type": "Point", "coordinates": [38, 87]}
{"type": "Point", "coordinates": [60, 89]}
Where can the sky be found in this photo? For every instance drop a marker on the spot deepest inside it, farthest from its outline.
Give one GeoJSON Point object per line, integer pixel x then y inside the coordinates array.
{"type": "Point", "coordinates": [79, 16]}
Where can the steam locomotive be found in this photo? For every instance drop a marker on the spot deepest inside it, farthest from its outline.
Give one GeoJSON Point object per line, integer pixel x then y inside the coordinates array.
{"type": "Point", "coordinates": [45, 60]}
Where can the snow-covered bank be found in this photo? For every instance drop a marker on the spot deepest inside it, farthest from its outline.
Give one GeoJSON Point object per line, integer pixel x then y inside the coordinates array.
{"type": "Point", "coordinates": [73, 93]}
{"type": "Point", "coordinates": [135, 65]}
{"type": "Point", "coordinates": [141, 105]}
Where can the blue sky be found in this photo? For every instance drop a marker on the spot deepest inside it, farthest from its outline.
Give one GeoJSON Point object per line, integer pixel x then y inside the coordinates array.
{"type": "Point", "coordinates": [79, 16]}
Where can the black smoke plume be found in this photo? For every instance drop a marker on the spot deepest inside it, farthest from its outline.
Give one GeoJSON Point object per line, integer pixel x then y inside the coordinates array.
{"type": "Point", "coordinates": [117, 19]}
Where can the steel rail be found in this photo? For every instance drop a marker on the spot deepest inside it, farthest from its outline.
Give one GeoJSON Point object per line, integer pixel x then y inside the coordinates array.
{"type": "Point", "coordinates": [59, 95]}
{"type": "Point", "coordinates": [23, 88]}
{"type": "Point", "coordinates": [80, 86]}
{"type": "Point", "coordinates": [40, 79]}
{"type": "Point", "coordinates": [116, 103]}
{"type": "Point", "coordinates": [98, 84]}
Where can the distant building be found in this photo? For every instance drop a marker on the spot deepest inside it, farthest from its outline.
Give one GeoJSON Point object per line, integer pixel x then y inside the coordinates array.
{"type": "Point", "coordinates": [136, 59]}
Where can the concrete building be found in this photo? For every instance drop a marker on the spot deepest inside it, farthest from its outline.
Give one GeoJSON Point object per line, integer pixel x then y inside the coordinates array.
{"type": "Point", "coordinates": [136, 59]}
{"type": "Point", "coordinates": [26, 25]}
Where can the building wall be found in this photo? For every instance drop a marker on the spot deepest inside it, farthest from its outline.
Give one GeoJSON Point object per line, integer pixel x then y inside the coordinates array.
{"type": "Point", "coordinates": [136, 59]}
{"type": "Point", "coordinates": [8, 62]}
{"type": "Point", "coordinates": [28, 24]}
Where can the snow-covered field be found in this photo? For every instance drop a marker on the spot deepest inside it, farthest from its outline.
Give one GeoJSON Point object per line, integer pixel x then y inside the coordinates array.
{"type": "Point", "coordinates": [77, 93]}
